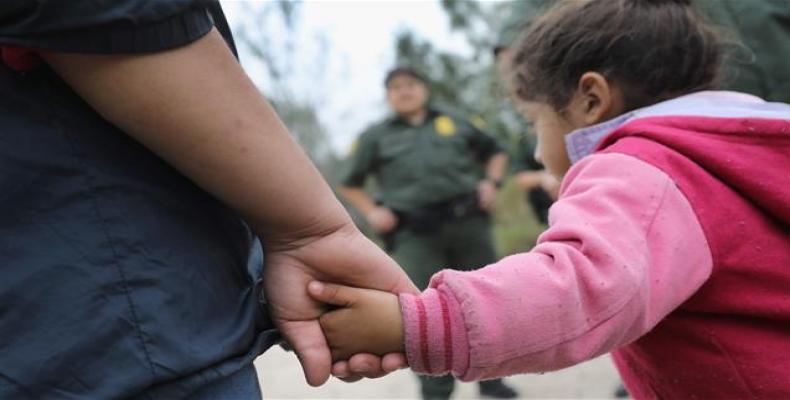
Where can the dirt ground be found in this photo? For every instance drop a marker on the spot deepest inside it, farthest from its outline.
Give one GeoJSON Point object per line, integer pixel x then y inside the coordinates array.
{"type": "Point", "coordinates": [281, 378]}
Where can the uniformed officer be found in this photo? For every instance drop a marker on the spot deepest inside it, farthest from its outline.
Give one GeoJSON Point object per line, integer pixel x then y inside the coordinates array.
{"type": "Point", "coordinates": [437, 176]}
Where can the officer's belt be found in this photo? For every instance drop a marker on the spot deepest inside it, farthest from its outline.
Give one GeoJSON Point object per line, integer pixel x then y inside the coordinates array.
{"type": "Point", "coordinates": [429, 218]}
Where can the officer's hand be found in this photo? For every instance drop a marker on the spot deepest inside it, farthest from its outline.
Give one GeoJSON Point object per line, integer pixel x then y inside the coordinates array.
{"type": "Point", "coordinates": [382, 219]}
{"type": "Point", "coordinates": [343, 256]}
{"type": "Point", "coordinates": [486, 194]}
{"type": "Point", "coordinates": [550, 184]}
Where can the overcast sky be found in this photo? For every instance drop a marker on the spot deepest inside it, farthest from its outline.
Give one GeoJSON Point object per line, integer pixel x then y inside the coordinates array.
{"type": "Point", "coordinates": [359, 36]}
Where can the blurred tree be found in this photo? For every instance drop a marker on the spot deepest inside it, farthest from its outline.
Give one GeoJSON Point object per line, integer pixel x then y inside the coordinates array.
{"type": "Point", "coordinates": [303, 123]}
{"type": "Point", "coordinates": [267, 37]}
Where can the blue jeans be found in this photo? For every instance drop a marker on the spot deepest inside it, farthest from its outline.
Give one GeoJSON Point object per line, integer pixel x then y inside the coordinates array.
{"type": "Point", "coordinates": [242, 385]}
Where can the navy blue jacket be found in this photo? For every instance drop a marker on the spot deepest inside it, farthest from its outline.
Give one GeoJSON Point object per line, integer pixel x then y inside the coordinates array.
{"type": "Point", "coordinates": [119, 278]}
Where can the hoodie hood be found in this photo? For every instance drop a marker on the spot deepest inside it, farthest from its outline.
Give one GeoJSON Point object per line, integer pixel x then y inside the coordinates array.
{"type": "Point", "coordinates": [740, 140]}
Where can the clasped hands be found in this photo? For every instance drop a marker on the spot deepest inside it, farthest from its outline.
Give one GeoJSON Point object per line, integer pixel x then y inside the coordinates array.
{"type": "Point", "coordinates": [312, 286]}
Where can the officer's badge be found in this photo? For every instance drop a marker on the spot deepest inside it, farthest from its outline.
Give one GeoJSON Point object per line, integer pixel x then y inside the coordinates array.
{"type": "Point", "coordinates": [444, 126]}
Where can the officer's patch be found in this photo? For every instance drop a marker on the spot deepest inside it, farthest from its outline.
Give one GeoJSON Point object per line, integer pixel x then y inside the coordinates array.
{"type": "Point", "coordinates": [354, 147]}
{"type": "Point", "coordinates": [444, 126]}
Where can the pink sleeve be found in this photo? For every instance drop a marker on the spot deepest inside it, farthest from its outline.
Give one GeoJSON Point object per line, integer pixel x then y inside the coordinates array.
{"type": "Point", "coordinates": [624, 250]}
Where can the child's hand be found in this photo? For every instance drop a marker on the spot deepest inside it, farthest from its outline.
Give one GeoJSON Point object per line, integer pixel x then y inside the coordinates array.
{"type": "Point", "coordinates": [367, 321]}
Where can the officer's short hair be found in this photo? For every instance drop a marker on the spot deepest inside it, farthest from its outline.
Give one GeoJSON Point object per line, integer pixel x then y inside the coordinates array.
{"type": "Point", "coordinates": [408, 71]}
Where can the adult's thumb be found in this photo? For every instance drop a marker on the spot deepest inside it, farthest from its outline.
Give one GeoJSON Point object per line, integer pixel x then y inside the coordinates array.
{"type": "Point", "coordinates": [310, 346]}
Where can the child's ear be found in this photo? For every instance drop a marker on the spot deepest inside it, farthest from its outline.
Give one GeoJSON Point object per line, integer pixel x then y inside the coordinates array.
{"type": "Point", "coordinates": [599, 100]}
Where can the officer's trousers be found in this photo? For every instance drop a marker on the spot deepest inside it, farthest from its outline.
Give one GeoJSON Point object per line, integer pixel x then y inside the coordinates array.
{"type": "Point", "coordinates": [464, 244]}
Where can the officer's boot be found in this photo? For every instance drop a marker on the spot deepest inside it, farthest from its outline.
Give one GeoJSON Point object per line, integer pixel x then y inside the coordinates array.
{"type": "Point", "coordinates": [436, 387]}
{"type": "Point", "coordinates": [496, 389]}
{"type": "Point", "coordinates": [620, 392]}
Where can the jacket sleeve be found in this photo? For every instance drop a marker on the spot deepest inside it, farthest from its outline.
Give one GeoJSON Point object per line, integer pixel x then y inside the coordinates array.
{"type": "Point", "coordinates": [623, 250]}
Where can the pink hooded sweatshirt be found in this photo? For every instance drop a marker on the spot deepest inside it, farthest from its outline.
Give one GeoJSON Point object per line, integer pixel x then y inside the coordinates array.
{"type": "Point", "coordinates": [669, 245]}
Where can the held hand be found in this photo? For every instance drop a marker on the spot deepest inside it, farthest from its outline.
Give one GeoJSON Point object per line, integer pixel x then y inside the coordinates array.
{"type": "Point", "coordinates": [382, 219]}
{"type": "Point", "coordinates": [550, 184]}
{"type": "Point", "coordinates": [486, 193]}
{"type": "Point", "coordinates": [366, 321]}
{"type": "Point", "coordinates": [343, 256]}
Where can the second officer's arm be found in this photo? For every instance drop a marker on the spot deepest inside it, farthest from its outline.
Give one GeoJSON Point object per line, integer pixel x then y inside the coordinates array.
{"type": "Point", "coordinates": [489, 151]}
{"type": "Point", "coordinates": [362, 161]}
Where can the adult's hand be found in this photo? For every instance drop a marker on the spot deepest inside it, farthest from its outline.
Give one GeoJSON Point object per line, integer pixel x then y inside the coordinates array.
{"type": "Point", "coordinates": [368, 366]}
{"type": "Point", "coordinates": [343, 256]}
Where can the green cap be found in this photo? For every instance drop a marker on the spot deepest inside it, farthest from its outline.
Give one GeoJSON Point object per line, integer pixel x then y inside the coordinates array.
{"type": "Point", "coordinates": [403, 70]}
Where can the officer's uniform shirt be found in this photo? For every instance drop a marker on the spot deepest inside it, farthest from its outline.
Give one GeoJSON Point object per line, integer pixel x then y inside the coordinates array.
{"type": "Point", "coordinates": [119, 277]}
{"type": "Point", "coordinates": [414, 166]}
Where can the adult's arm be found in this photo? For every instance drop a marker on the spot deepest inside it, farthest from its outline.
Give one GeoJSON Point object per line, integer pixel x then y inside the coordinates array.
{"type": "Point", "coordinates": [196, 108]}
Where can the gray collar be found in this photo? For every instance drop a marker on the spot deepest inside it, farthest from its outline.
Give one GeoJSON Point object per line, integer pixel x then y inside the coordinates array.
{"type": "Point", "coordinates": [722, 104]}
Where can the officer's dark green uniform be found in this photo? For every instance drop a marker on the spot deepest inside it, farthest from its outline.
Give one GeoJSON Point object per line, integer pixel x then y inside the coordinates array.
{"type": "Point", "coordinates": [420, 171]}
{"type": "Point", "coordinates": [428, 175]}
{"type": "Point", "coordinates": [763, 28]}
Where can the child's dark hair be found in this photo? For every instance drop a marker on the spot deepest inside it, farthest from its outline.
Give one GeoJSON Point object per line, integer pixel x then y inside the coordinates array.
{"type": "Point", "coordinates": [651, 49]}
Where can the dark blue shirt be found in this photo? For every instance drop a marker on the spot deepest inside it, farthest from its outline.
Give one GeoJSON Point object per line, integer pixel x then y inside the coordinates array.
{"type": "Point", "coordinates": [119, 277]}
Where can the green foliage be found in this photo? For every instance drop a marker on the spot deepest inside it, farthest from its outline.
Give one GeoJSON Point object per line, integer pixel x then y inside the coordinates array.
{"type": "Point", "coordinates": [258, 34]}
{"type": "Point", "coordinates": [515, 227]}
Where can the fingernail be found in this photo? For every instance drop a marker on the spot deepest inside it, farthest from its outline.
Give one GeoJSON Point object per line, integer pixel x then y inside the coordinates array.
{"type": "Point", "coordinates": [315, 287]}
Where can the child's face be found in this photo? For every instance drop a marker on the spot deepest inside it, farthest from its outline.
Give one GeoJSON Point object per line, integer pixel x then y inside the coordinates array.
{"type": "Point", "coordinates": [551, 128]}
{"type": "Point", "coordinates": [595, 100]}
